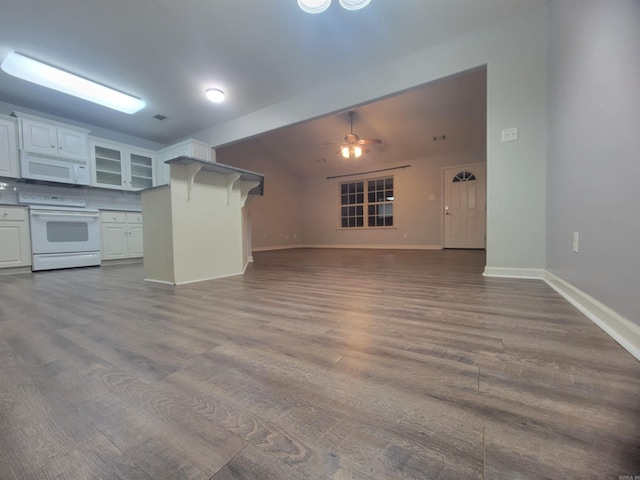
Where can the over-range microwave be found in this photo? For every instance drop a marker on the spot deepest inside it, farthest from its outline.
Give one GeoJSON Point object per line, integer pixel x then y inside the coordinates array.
{"type": "Point", "coordinates": [34, 166]}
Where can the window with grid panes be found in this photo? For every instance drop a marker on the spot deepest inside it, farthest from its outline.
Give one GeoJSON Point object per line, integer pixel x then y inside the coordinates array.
{"type": "Point", "coordinates": [352, 204]}
{"type": "Point", "coordinates": [373, 208]}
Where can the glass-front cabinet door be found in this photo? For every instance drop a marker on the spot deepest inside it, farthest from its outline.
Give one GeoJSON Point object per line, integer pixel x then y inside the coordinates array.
{"type": "Point", "coordinates": [121, 166]}
{"type": "Point", "coordinates": [141, 168]}
{"type": "Point", "coordinates": [108, 165]}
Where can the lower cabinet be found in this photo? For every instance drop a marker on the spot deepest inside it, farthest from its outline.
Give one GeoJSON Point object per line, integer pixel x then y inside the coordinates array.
{"type": "Point", "coordinates": [121, 235]}
{"type": "Point", "coordinates": [15, 244]}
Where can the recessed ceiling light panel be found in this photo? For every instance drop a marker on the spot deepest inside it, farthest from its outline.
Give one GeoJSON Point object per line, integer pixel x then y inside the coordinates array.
{"type": "Point", "coordinates": [47, 76]}
{"type": "Point", "coordinates": [215, 95]}
{"type": "Point", "coordinates": [314, 6]}
{"type": "Point", "coordinates": [354, 4]}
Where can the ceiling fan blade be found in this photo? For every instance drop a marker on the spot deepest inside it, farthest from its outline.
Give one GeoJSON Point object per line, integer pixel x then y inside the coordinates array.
{"type": "Point", "coordinates": [368, 141]}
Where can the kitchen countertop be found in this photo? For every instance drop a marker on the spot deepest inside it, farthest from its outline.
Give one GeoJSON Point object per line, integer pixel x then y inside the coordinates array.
{"type": "Point", "coordinates": [222, 169]}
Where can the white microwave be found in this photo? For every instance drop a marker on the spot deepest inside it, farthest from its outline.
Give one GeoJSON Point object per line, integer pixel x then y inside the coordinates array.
{"type": "Point", "coordinates": [41, 167]}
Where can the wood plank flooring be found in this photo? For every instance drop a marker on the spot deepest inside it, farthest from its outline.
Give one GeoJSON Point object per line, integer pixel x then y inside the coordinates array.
{"type": "Point", "coordinates": [315, 364]}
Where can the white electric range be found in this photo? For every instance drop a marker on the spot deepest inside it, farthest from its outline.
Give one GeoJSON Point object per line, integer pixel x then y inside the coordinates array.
{"type": "Point", "coordinates": [64, 233]}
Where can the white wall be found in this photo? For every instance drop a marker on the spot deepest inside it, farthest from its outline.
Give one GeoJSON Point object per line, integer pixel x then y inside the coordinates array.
{"type": "Point", "coordinates": [515, 52]}
{"type": "Point", "coordinates": [275, 216]}
{"type": "Point", "coordinates": [414, 213]}
{"type": "Point", "coordinates": [594, 145]}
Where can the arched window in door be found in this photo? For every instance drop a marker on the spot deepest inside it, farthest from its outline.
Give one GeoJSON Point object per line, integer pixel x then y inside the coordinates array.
{"type": "Point", "coordinates": [464, 177]}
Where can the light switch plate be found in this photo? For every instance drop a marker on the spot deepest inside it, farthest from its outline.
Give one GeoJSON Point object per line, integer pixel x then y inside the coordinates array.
{"type": "Point", "coordinates": [510, 134]}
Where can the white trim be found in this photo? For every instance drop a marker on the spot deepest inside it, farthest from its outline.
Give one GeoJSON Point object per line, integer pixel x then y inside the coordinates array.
{"type": "Point", "coordinates": [275, 247]}
{"type": "Point", "coordinates": [344, 245]}
{"type": "Point", "coordinates": [153, 280]}
{"type": "Point", "coordinates": [508, 272]}
{"type": "Point", "coordinates": [164, 282]}
{"type": "Point", "coordinates": [14, 270]}
{"type": "Point", "coordinates": [208, 278]}
{"type": "Point", "coordinates": [378, 247]}
{"type": "Point", "coordinates": [622, 330]}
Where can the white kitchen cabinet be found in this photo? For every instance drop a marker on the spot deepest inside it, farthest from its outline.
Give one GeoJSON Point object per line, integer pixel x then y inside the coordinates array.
{"type": "Point", "coordinates": [52, 139]}
{"type": "Point", "coordinates": [188, 148]}
{"type": "Point", "coordinates": [121, 166]}
{"type": "Point", "coordinates": [121, 235]}
{"type": "Point", "coordinates": [15, 244]}
{"type": "Point", "coordinates": [9, 147]}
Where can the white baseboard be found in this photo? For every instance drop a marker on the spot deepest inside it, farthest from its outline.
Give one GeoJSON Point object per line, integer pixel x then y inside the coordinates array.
{"type": "Point", "coordinates": [333, 245]}
{"type": "Point", "coordinates": [163, 282]}
{"type": "Point", "coordinates": [378, 247]}
{"type": "Point", "coordinates": [13, 270]}
{"type": "Point", "coordinates": [276, 247]}
{"type": "Point", "coordinates": [622, 330]}
{"type": "Point", "coordinates": [507, 272]}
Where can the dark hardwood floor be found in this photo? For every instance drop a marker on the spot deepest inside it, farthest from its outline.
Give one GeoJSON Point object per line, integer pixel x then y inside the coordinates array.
{"type": "Point", "coordinates": [316, 364]}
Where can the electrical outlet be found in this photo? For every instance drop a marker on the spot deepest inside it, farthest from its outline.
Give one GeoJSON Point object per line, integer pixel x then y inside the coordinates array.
{"type": "Point", "coordinates": [405, 234]}
{"type": "Point", "coordinates": [510, 134]}
{"type": "Point", "coordinates": [576, 242]}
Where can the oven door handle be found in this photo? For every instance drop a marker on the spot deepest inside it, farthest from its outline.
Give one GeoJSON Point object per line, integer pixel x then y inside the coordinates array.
{"type": "Point", "coordinates": [66, 214]}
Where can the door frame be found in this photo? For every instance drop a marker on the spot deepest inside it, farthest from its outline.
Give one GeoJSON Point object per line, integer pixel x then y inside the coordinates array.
{"type": "Point", "coordinates": [442, 199]}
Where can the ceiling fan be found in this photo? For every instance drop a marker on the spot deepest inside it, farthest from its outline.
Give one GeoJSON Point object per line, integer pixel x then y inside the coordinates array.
{"type": "Point", "coordinates": [352, 146]}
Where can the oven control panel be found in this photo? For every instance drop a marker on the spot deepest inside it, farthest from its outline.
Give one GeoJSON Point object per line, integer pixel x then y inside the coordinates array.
{"type": "Point", "coordinates": [34, 198]}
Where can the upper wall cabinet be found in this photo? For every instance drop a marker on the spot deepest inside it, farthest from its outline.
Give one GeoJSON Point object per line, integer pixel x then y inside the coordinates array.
{"type": "Point", "coordinates": [188, 148]}
{"type": "Point", "coordinates": [52, 139]}
{"type": "Point", "coordinates": [8, 147]}
{"type": "Point", "coordinates": [120, 166]}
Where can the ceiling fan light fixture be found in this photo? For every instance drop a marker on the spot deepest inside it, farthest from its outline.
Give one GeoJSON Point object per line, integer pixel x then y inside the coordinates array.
{"type": "Point", "coordinates": [314, 6]}
{"type": "Point", "coordinates": [354, 4]}
{"type": "Point", "coordinates": [62, 81]}
{"type": "Point", "coordinates": [215, 95]}
{"type": "Point", "coordinates": [349, 151]}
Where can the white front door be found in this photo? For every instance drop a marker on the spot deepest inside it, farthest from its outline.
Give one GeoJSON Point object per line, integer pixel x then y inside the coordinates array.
{"type": "Point", "coordinates": [464, 206]}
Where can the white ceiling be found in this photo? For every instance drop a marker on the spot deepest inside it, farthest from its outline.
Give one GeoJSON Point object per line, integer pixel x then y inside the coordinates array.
{"type": "Point", "coordinates": [260, 52]}
{"type": "Point", "coordinates": [454, 108]}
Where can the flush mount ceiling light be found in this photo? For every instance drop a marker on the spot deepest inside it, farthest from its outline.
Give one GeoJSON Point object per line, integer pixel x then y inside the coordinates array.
{"type": "Point", "coordinates": [51, 77]}
{"type": "Point", "coordinates": [215, 95]}
{"type": "Point", "coordinates": [317, 6]}
{"type": "Point", "coordinates": [314, 6]}
{"type": "Point", "coordinates": [354, 4]}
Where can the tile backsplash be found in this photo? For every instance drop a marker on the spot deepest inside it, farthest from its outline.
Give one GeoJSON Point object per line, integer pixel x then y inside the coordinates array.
{"type": "Point", "coordinates": [102, 198]}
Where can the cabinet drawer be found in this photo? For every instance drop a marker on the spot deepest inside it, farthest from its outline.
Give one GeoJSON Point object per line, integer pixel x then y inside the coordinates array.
{"type": "Point", "coordinates": [113, 217]}
{"type": "Point", "coordinates": [10, 213]}
{"type": "Point", "coordinates": [134, 218]}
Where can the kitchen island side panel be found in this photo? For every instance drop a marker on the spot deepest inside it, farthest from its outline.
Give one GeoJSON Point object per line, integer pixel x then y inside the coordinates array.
{"type": "Point", "coordinates": [157, 235]}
